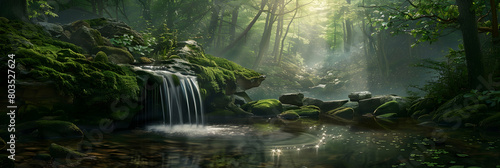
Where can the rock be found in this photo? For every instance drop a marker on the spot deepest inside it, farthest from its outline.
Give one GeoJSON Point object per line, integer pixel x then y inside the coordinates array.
{"type": "Point", "coordinates": [289, 115]}
{"type": "Point", "coordinates": [389, 107]}
{"type": "Point", "coordinates": [87, 38]}
{"type": "Point", "coordinates": [353, 105]}
{"type": "Point", "coordinates": [116, 55]}
{"type": "Point", "coordinates": [312, 101]}
{"type": "Point", "coordinates": [58, 151]}
{"type": "Point", "coordinates": [241, 98]}
{"type": "Point", "coordinates": [110, 27]}
{"type": "Point", "coordinates": [470, 114]}
{"type": "Point", "coordinates": [307, 111]}
{"type": "Point", "coordinates": [101, 57]}
{"type": "Point", "coordinates": [330, 105]}
{"type": "Point", "coordinates": [371, 104]}
{"type": "Point", "coordinates": [51, 129]}
{"type": "Point", "coordinates": [189, 48]}
{"type": "Point", "coordinates": [145, 60]}
{"type": "Point", "coordinates": [55, 30]}
{"type": "Point", "coordinates": [342, 112]}
{"type": "Point", "coordinates": [287, 107]}
{"type": "Point", "coordinates": [265, 107]}
{"type": "Point", "coordinates": [357, 96]}
{"type": "Point", "coordinates": [245, 84]}
{"type": "Point", "coordinates": [292, 98]}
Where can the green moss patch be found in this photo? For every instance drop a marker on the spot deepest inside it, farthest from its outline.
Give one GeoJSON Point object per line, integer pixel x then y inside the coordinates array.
{"type": "Point", "coordinates": [309, 111]}
{"type": "Point", "coordinates": [289, 115]}
{"type": "Point", "coordinates": [101, 57]}
{"type": "Point", "coordinates": [264, 107]}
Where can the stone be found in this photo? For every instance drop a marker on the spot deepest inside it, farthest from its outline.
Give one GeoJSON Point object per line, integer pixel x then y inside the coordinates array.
{"type": "Point", "coordinates": [289, 115]}
{"type": "Point", "coordinates": [342, 112]}
{"type": "Point", "coordinates": [357, 96]}
{"type": "Point", "coordinates": [110, 28]}
{"type": "Point", "coordinates": [265, 107]}
{"type": "Point", "coordinates": [58, 151]}
{"type": "Point", "coordinates": [287, 107]}
{"type": "Point", "coordinates": [55, 30]}
{"type": "Point", "coordinates": [101, 57]}
{"type": "Point", "coordinates": [371, 104]}
{"type": "Point", "coordinates": [492, 122]}
{"type": "Point", "coordinates": [312, 101]}
{"type": "Point", "coordinates": [87, 38]}
{"type": "Point", "coordinates": [389, 107]}
{"type": "Point", "coordinates": [307, 111]}
{"type": "Point", "coordinates": [330, 105]}
{"type": "Point", "coordinates": [241, 98]}
{"type": "Point", "coordinates": [189, 48]}
{"type": "Point", "coordinates": [292, 98]}
{"type": "Point", "coordinates": [116, 55]}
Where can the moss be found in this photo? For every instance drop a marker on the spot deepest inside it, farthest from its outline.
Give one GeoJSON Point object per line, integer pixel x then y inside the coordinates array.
{"type": "Point", "coordinates": [110, 51]}
{"type": "Point", "coordinates": [101, 57]}
{"type": "Point", "coordinates": [309, 111]}
{"type": "Point", "coordinates": [176, 80]}
{"type": "Point", "coordinates": [64, 53]}
{"type": "Point", "coordinates": [57, 129]}
{"type": "Point", "coordinates": [145, 60]}
{"type": "Point", "coordinates": [388, 107]}
{"type": "Point", "coordinates": [264, 107]}
{"type": "Point", "coordinates": [289, 115]}
{"type": "Point", "coordinates": [342, 112]}
{"type": "Point", "coordinates": [58, 151]}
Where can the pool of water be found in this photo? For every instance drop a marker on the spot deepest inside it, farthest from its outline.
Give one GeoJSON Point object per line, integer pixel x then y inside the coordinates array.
{"type": "Point", "coordinates": [273, 143]}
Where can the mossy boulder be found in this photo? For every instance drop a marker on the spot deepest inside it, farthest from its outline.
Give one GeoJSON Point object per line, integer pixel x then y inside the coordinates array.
{"type": "Point", "coordinates": [330, 105]}
{"type": "Point", "coordinates": [101, 57]}
{"type": "Point", "coordinates": [292, 98]}
{"type": "Point", "coordinates": [308, 111]}
{"type": "Point", "coordinates": [289, 115]}
{"type": "Point", "coordinates": [422, 106]}
{"type": "Point", "coordinates": [116, 55]}
{"type": "Point", "coordinates": [87, 38]}
{"type": "Point", "coordinates": [342, 112]}
{"type": "Point", "coordinates": [110, 28]}
{"type": "Point", "coordinates": [470, 114]}
{"type": "Point", "coordinates": [389, 107]}
{"type": "Point", "coordinates": [58, 151]}
{"type": "Point", "coordinates": [145, 60]}
{"type": "Point", "coordinates": [50, 129]}
{"type": "Point", "coordinates": [266, 107]}
{"type": "Point", "coordinates": [312, 101]}
{"type": "Point", "coordinates": [189, 48]}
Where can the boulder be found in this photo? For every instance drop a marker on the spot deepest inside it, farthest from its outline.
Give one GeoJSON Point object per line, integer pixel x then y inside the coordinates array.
{"type": "Point", "coordinates": [357, 96]}
{"type": "Point", "coordinates": [330, 105]}
{"type": "Point", "coordinates": [245, 84]}
{"type": "Point", "coordinates": [116, 55]}
{"type": "Point", "coordinates": [307, 111]}
{"type": "Point", "coordinates": [342, 112]}
{"type": "Point", "coordinates": [55, 30]}
{"type": "Point", "coordinates": [265, 107]}
{"type": "Point", "coordinates": [110, 28]}
{"type": "Point", "coordinates": [312, 101]}
{"type": "Point", "coordinates": [371, 104]}
{"type": "Point", "coordinates": [292, 98]}
{"type": "Point", "coordinates": [58, 151]}
{"type": "Point", "coordinates": [87, 38]}
{"type": "Point", "coordinates": [189, 48]}
{"type": "Point", "coordinates": [101, 57]}
{"type": "Point", "coordinates": [289, 115]}
{"type": "Point", "coordinates": [389, 107]}
{"type": "Point", "coordinates": [241, 98]}
{"type": "Point", "coordinates": [287, 107]}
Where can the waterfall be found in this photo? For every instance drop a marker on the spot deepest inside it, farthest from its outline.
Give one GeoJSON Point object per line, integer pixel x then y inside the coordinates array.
{"type": "Point", "coordinates": [173, 100]}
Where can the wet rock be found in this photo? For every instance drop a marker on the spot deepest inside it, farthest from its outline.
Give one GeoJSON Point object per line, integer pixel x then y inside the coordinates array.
{"type": "Point", "coordinates": [312, 101]}
{"type": "Point", "coordinates": [342, 112]}
{"type": "Point", "coordinates": [307, 111]}
{"type": "Point", "coordinates": [110, 28]}
{"type": "Point", "coordinates": [189, 48]}
{"type": "Point", "coordinates": [289, 115]}
{"type": "Point", "coordinates": [101, 57]}
{"type": "Point", "coordinates": [330, 105]}
{"type": "Point", "coordinates": [371, 104]}
{"type": "Point", "coordinates": [357, 96]}
{"type": "Point", "coordinates": [58, 151]}
{"type": "Point", "coordinates": [87, 38]}
{"type": "Point", "coordinates": [266, 107]}
{"type": "Point", "coordinates": [145, 60]}
{"type": "Point", "coordinates": [241, 98]}
{"type": "Point", "coordinates": [55, 30]}
{"type": "Point", "coordinates": [116, 55]}
{"type": "Point", "coordinates": [389, 107]}
{"type": "Point", "coordinates": [287, 107]}
{"type": "Point", "coordinates": [292, 98]}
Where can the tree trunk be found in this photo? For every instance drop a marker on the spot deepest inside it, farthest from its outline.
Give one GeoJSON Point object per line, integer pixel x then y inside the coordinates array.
{"type": "Point", "coordinates": [348, 32]}
{"type": "Point", "coordinates": [100, 7]}
{"type": "Point", "coordinates": [472, 46]}
{"type": "Point", "coordinates": [247, 29]}
{"type": "Point", "coordinates": [279, 30]}
{"type": "Point", "coordinates": [494, 19]}
{"type": "Point", "coordinates": [286, 33]}
{"type": "Point", "coordinates": [212, 27]}
{"type": "Point", "coordinates": [220, 37]}
{"type": "Point", "coordinates": [14, 9]}
{"type": "Point", "coordinates": [266, 36]}
{"type": "Point", "coordinates": [234, 22]}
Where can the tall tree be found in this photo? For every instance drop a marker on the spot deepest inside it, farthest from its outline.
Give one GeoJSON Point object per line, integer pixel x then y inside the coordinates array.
{"type": "Point", "coordinates": [266, 36]}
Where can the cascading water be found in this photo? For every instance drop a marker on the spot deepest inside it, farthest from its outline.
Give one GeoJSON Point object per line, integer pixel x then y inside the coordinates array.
{"type": "Point", "coordinates": [174, 100]}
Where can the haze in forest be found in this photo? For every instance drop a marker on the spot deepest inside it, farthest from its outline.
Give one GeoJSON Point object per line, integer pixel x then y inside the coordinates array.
{"type": "Point", "coordinates": [323, 48]}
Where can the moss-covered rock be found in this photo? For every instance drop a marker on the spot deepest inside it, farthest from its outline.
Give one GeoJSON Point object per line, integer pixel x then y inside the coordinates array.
{"type": "Point", "coordinates": [264, 107]}
{"type": "Point", "coordinates": [101, 57]}
{"type": "Point", "coordinates": [50, 129]}
{"type": "Point", "coordinates": [58, 151]}
{"type": "Point", "coordinates": [110, 28]}
{"type": "Point", "coordinates": [116, 55]}
{"type": "Point", "coordinates": [289, 115]}
{"type": "Point", "coordinates": [145, 60]}
{"type": "Point", "coordinates": [389, 107]}
{"type": "Point", "coordinates": [422, 106]}
{"type": "Point", "coordinates": [342, 112]}
{"type": "Point", "coordinates": [292, 98]}
{"type": "Point", "coordinates": [308, 111]}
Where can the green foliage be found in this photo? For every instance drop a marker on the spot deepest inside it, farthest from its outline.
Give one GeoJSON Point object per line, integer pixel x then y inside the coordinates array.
{"type": "Point", "coordinates": [126, 41]}
{"type": "Point", "coordinates": [37, 8]}
{"type": "Point", "coordinates": [451, 78]}
{"type": "Point", "coordinates": [492, 98]}
{"type": "Point", "coordinates": [101, 57]}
